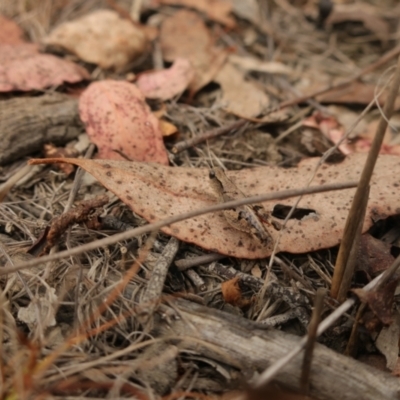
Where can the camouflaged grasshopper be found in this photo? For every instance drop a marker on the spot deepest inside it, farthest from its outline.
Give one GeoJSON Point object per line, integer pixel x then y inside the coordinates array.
{"type": "Point", "coordinates": [247, 218]}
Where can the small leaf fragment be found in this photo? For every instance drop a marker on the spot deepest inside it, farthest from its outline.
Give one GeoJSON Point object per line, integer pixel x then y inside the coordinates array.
{"type": "Point", "coordinates": [167, 83]}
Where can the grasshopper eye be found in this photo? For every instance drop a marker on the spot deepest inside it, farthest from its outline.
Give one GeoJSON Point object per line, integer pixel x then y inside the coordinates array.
{"type": "Point", "coordinates": [211, 174]}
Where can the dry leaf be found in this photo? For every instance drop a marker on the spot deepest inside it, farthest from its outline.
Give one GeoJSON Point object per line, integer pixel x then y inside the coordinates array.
{"type": "Point", "coordinates": [354, 93]}
{"type": "Point", "coordinates": [118, 120]}
{"type": "Point", "coordinates": [231, 292]}
{"type": "Point", "coordinates": [249, 10]}
{"type": "Point", "coordinates": [239, 96]}
{"type": "Point", "coordinates": [23, 68]}
{"type": "Point", "coordinates": [45, 306]}
{"type": "Point", "coordinates": [217, 10]}
{"type": "Point", "coordinates": [389, 145]}
{"type": "Point", "coordinates": [156, 192]}
{"type": "Point", "coordinates": [334, 128]}
{"type": "Point", "coordinates": [368, 16]}
{"type": "Point", "coordinates": [167, 83]}
{"type": "Point", "coordinates": [52, 151]}
{"type": "Point", "coordinates": [374, 256]}
{"type": "Point", "coordinates": [330, 128]}
{"type": "Point", "coordinates": [102, 38]}
{"type": "Point", "coordinates": [184, 35]}
{"type": "Point", "coordinates": [380, 300]}
{"type": "Point", "coordinates": [167, 128]}
{"type": "Point", "coordinates": [256, 271]}
{"type": "Point", "coordinates": [387, 343]}
{"type": "Point", "coordinates": [10, 32]}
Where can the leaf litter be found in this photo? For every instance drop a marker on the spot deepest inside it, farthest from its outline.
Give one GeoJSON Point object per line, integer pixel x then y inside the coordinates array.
{"type": "Point", "coordinates": [278, 52]}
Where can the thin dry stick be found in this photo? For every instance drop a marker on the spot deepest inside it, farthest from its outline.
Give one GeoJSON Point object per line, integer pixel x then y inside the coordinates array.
{"type": "Point", "coordinates": [352, 342]}
{"type": "Point", "coordinates": [187, 263]}
{"type": "Point", "coordinates": [196, 279]}
{"type": "Point", "coordinates": [383, 60]}
{"type": "Point", "coordinates": [285, 194]}
{"type": "Point", "coordinates": [353, 255]}
{"type": "Point", "coordinates": [8, 185]}
{"type": "Point", "coordinates": [185, 144]}
{"type": "Point", "coordinates": [311, 340]}
{"type": "Point", "coordinates": [351, 224]}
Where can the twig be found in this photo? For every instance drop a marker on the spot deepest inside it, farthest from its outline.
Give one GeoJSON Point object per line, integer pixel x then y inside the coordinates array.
{"type": "Point", "coordinates": [351, 343]}
{"type": "Point", "coordinates": [196, 279]}
{"type": "Point", "coordinates": [355, 243]}
{"type": "Point", "coordinates": [383, 60]}
{"type": "Point", "coordinates": [351, 223]}
{"type": "Point", "coordinates": [285, 194]}
{"type": "Point", "coordinates": [187, 263]}
{"type": "Point", "coordinates": [185, 144]}
{"type": "Point", "coordinates": [8, 185]}
{"type": "Point", "coordinates": [156, 283]}
{"type": "Point", "coordinates": [78, 179]}
{"type": "Point", "coordinates": [136, 8]}
{"type": "Point", "coordinates": [311, 340]}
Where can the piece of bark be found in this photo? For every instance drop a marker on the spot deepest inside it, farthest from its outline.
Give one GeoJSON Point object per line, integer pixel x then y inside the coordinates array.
{"type": "Point", "coordinates": [236, 343]}
{"type": "Point", "coordinates": [27, 123]}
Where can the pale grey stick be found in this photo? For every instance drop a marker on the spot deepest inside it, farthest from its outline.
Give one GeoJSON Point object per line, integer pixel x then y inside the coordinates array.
{"type": "Point", "coordinates": [156, 283]}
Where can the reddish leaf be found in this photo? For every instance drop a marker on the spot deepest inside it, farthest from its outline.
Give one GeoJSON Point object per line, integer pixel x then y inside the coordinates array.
{"type": "Point", "coordinates": [10, 32]}
{"type": "Point", "coordinates": [23, 68]}
{"type": "Point", "coordinates": [118, 120]}
{"type": "Point", "coordinates": [167, 83]}
{"type": "Point", "coordinates": [380, 301]}
{"type": "Point", "coordinates": [157, 192]}
{"type": "Point", "coordinates": [374, 255]}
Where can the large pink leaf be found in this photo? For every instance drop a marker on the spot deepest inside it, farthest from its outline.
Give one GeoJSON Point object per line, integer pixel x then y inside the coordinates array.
{"type": "Point", "coordinates": [22, 67]}
{"type": "Point", "coordinates": [157, 192]}
{"type": "Point", "coordinates": [118, 120]}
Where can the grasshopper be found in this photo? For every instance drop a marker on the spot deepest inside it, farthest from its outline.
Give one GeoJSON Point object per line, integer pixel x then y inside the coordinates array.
{"type": "Point", "coordinates": [247, 218]}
